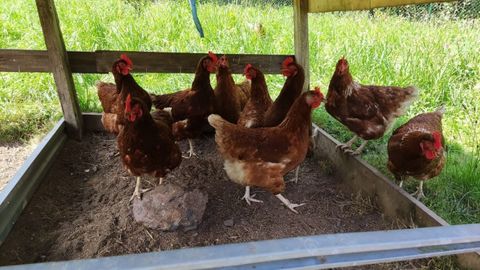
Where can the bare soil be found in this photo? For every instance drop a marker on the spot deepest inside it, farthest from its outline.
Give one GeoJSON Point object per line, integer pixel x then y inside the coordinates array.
{"type": "Point", "coordinates": [82, 208]}
{"type": "Point", "coordinates": [12, 156]}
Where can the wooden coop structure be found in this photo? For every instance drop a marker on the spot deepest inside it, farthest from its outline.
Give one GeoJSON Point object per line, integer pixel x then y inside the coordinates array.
{"type": "Point", "coordinates": [315, 252]}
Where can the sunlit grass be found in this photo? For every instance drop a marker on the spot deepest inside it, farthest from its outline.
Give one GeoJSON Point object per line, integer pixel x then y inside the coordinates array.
{"type": "Point", "coordinates": [438, 56]}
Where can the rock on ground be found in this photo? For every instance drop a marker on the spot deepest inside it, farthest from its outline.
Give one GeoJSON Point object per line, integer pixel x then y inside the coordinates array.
{"type": "Point", "coordinates": [169, 207]}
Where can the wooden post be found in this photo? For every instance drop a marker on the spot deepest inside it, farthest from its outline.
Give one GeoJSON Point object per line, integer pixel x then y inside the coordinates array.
{"type": "Point", "coordinates": [60, 67]}
{"type": "Point", "coordinates": [300, 17]}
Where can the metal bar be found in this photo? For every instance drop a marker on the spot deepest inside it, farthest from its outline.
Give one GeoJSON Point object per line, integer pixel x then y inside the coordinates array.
{"type": "Point", "coordinates": [16, 194]}
{"type": "Point", "coordinates": [359, 176]}
{"type": "Point", "coordinates": [315, 6]}
{"type": "Point", "coordinates": [325, 251]}
{"type": "Point", "coordinates": [147, 62]}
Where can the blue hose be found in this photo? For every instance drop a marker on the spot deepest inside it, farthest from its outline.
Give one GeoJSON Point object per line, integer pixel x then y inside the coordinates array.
{"type": "Point", "coordinates": [193, 6]}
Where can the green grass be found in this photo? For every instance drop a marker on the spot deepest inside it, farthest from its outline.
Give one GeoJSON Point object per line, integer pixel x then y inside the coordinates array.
{"type": "Point", "coordinates": [438, 56]}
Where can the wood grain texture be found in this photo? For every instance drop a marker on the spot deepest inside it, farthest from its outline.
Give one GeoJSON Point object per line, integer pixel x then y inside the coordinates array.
{"type": "Point", "coordinates": [146, 62]}
{"type": "Point", "coordinates": [315, 6]}
{"type": "Point", "coordinates": [60, 67]}
{"type": "Point", "coordinates": [300, 19]}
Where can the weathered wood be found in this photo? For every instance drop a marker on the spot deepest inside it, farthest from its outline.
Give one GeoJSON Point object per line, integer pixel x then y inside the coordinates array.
{"type": "Point", "coordinates": [149, 62]}
{"type": "Point", "coordinates": [300, 20]}
{"type": "Point", "coordinates": [315, 6]}
{"type": "Point", "coordinates": [60, 67]}
{"type": "Point", "coordinates": [359, 176]}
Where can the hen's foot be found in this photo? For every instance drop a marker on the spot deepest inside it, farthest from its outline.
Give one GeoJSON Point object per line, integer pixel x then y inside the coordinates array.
{"type": "Point", "coordinates": [288, 204]}
{"type": "Point", "coordinates": [295, 179]}
{"type": "Point", "coordinates": [358, 151]}
{"type": "Point", "coordinates": [249, 198]}
{"type": "Point", "coordinates": [348, 145]}
{"type": "Point", "coordinates": [138, 190]}
{"type": "Point", "coordinates": [190, 151]}
{"type": "Point", "coordinates": [419, 192]}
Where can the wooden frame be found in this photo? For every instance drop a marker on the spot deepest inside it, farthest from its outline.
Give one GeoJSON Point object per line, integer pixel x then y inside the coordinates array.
{"type": "Point", "coordinates": [144, 62]}
{"type": "Point", "coordinates": [357, 175]}
{"type": "Point", "coordinates": [58, 61]}
{"type": "Point", "coordinates": [354, 172]}
{"type": "Point", "coordinates": [315, 6]}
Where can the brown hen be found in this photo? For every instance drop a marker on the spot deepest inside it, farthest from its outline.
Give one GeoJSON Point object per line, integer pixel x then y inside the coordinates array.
{"type": "Point", "coordinates": [230, 98]}
{"type": "Point", "coordinates": [262, 156]}
{"type": "Point", "coordinates": [190, 107]}
{"type": "Point", "coordinates": [417, 149]}
{"type": "Point", "coordinates": [146, 142]}
{"type": "Point", "coordinates": [366, 110]}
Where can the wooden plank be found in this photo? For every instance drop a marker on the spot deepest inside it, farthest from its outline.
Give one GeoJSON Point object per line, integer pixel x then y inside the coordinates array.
{"type": "Point", "coordinates": [16, 194]}
{"type": "Point", "coordinates": [300, 22]}
{"type": "Point", "coordinates": [60, 67]}
{"type": "Point", "coordinates": [24, 61]}
{"type": "Point", "coordinates": [147, 62]}
{"type": "Point", "coordinates": [359, 176]}
{"type": "Point", "coordinates": [315, 6]}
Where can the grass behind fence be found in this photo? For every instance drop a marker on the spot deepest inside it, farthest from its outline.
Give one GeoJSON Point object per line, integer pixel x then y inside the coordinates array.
{"type": "Point", "coordinates": [439, 56]}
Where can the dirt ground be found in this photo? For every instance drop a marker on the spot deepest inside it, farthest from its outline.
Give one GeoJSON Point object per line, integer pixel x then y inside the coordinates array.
{"type": "Point", "coordinates": [82, 208]}
{"type": "Point", "coordinates": [12, 156]}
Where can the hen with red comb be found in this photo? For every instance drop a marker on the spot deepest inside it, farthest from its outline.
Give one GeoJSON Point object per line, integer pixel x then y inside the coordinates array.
{"type": "Point", "coordinates": [416, 149]}
{"type": "Point", "coordinates": [230, 98]}
{"type": "Point", "coordinates": [366, 110]}
{"type": "Point", "coordinates": [190, 107]}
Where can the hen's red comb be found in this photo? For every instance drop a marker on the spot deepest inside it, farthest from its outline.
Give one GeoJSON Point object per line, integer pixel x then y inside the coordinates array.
{"type": "Point", "coordinates": [247, 67]}
{"type": "Point", "coordinates": [437, 140]}
{"type": "Point", "coordinates": [125, 58]}
{"type": "Point", "coordinates": [289, 60]}
{"type": "Point", "coordinates": [318, 92]}
{"type": "Point", "coordinates": [212, 56]}
{"type": "Point", "coordinates": [128, 105]}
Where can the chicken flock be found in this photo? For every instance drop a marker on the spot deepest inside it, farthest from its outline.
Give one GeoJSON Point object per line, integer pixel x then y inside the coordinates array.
{"type": "Point", "coordinates": [261, 140]}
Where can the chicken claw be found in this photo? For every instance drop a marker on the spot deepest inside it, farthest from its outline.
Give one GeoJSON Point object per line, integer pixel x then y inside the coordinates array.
{"type": "Point", "coordinates": [190, 151]}
{"type": "Point", "coordinates": [347, 146]}
{"type": "Point", "coordinates": [419, 192]}
{"type": "Point", "coordinates": [138, 190]}
{"type": "Point", "coordinates": [249, 198]}
{"type": "Point", "coordinates": [295, 179]}
{"type": "Point", "coordinates": [288, 204]}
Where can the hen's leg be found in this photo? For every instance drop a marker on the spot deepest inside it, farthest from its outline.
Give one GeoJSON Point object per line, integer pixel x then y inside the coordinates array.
{"type": "Point", "coordinates": [295, 179]}
{"type": "Point", "coordinates": [138, 190]}
{"type": "Point", "coordinates": [249, 198]}
{"type": "Point", "coordinates": [419, 191]}
{"type": "Point", "coordinates": [160, 181]}
{"type": "Point", "coordinates": [359, 149]}
{"type": "Point", "coordinates": [288, 204]}
{"type": "Point", "coordinates": [190, 151]}
{"type": "Point", "coordinates": [348, 144]}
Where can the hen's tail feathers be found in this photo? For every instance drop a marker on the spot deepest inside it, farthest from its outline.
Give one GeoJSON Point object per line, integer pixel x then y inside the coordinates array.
{"type": "Point", "coordinates": [161, 101]}
{"type": "Point", "coordinates": [246, 87]}
{"type": "Point", "coordinates": [441, 109]}
{"type": "Point", "coordinates": [411, 95]}
{"type": "Point", "coordinates": [215, 120]}
{"type": "Point", "coordinates": [162, 116]}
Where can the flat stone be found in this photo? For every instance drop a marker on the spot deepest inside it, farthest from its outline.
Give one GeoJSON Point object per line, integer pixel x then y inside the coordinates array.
{"type": "Point", "coordinates": [168, 207]}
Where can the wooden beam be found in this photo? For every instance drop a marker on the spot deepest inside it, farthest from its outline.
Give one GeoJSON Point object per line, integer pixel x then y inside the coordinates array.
{"type": "Point", "coordinates": [60, 66]}
{"type": "Point", "coordinates": [300, 17]}
{"type": "Point", "coordinates": [315, 6]}
{"type": "Point", "coordinates": [148, 62]}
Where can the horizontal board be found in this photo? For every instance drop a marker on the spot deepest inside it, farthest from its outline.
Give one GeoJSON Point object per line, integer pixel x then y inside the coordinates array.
{"type": "Point", "coordinates": [143, 62]}
{"type": "Point", "coordinates": [315, 6]}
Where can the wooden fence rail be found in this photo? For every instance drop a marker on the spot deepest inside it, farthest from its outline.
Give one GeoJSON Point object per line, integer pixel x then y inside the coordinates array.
{"type": "Point", "coordinates": [148, 62]}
